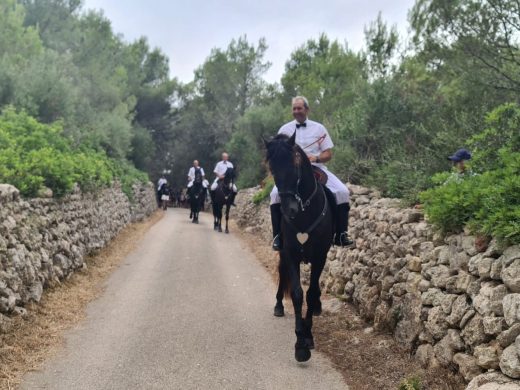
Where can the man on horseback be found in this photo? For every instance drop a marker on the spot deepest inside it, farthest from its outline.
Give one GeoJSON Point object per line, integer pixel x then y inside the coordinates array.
{"type": "Point", "coordinates": [194, 171]}
{"type": "Point", "coordinates": [220, 173]}
{"type": "Point", "coordinates": [315, 140]}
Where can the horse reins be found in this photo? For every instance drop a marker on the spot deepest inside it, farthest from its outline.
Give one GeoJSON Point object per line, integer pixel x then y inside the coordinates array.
{"type": "Point", "coordinates": [305, 204]}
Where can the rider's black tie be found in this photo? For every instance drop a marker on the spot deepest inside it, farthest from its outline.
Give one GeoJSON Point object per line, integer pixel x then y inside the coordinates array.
{"type": "Point", "coordinates": [298, 125]}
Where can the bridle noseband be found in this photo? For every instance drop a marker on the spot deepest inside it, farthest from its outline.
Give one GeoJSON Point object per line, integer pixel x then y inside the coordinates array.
{"type": "Point", "coordinates": [296, 194]}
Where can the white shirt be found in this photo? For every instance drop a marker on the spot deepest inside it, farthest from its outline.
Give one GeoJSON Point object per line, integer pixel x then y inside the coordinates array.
{"type": "Point", "coordinates": [221, 167]}
{"type": "Point", "coordinates": [161, 182]}
{"type": "Point", "coordinates": [313, 138]}
{"type": "Point", "coordinates": [191, 173]}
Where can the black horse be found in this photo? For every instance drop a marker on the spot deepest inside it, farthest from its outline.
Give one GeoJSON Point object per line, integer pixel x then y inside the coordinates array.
{"type": "Point", "coordinates": [222, 196]}
{"type": "Point", "coordinates": [307, 233]}
{"type": "Point", "coordinates": [197, 194]}
{"type": "Point", "coordinates": [164, 196]}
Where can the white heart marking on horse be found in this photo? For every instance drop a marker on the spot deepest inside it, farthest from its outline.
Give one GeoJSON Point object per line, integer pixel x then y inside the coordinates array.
{"type": "Point", "coordinates": [302, 237]}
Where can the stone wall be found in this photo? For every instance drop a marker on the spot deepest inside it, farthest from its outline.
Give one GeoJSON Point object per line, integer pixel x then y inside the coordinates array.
{"type": "Point", "coordinates": [451, 301]}
{"type": "Point", "coordinates": [43, 240]}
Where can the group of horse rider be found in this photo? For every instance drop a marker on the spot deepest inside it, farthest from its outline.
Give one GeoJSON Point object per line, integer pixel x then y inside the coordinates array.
{"type": "Point", "coordinates": [220, 171]}
{"type": "Point", "coordinates": [315, 141]}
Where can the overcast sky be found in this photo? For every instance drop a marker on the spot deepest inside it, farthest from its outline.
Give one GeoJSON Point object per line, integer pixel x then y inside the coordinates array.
{"type": "Point", "coordinates": [186, 31]}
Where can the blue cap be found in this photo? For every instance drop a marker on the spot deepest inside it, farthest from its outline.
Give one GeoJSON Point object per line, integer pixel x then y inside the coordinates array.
{"type": "Point", "coordinates": [461, 154]}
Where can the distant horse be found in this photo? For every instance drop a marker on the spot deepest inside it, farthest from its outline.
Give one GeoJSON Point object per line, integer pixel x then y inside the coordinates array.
{"type": "Point", "coordinates": [164, 196]}
{"type": "Point", "coordinates": [307, 232]}
{"type": "Point", "coordinates": [197, 194]}
{"type": "Point", "coordinates": [222, 196]}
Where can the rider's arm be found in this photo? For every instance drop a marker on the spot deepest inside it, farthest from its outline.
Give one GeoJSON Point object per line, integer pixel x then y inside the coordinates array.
{"type": "Point", "coordinates": [324, 156]}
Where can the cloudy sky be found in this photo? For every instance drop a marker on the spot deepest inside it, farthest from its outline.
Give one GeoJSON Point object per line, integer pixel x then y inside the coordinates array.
{"type": "Point", "coordinates": [187, 30]}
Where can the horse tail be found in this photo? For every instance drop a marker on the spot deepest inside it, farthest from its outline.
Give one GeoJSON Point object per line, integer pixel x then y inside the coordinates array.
{"type": "Point", "coordinates": [283, 278]}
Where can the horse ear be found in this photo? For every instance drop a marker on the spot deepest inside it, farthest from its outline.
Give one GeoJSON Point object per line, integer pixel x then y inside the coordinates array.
{"type": "Point", "coordinates": [292, 140]}
{"type": "Point", "coordinates": [265, 141]}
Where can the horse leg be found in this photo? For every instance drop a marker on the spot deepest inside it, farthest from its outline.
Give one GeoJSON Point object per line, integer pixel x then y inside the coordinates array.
{"type": "Point", "coordinates": [314, 292]}
{"type": "Point", "coordinates": [282, 287]}
{"type": "Point", "coordinates": [227, 217]}
{"type": "Point", "coordinates": [219, 220]}
{"type": "Point", "coordinates": [313, 300]}
{"type": "Point", "coordinates": [214, 207]}
{"type": "Point", "coordinates": [302, 352]}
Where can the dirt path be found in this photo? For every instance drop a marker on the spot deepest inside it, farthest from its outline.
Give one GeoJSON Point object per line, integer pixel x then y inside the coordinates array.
{"type": "Point", "coordinates": [191, 309]}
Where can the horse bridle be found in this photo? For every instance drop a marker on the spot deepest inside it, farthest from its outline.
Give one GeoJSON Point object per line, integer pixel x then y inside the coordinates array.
{"type": "Point", "coordinates": [296, 194]}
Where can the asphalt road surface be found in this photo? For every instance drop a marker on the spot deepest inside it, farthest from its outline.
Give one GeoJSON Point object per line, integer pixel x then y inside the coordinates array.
{"type": "Point", "coordinates": [190, 308]}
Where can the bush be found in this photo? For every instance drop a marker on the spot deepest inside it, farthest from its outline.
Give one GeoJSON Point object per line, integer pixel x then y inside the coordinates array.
{"type": "Point", "coordinates": [411, 383]}
{"type": "Point", "coordinates": [488, 203]}
{"type": "Point", "coordinates": [265, 191]}
{"type": "Point", "coordinates": [35, 155]}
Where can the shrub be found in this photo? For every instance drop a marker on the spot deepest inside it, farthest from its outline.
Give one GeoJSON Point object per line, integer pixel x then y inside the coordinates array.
{"type": "Point", "coordinates": [488, 203]}
{"type": "Point", "coordinates": [265, 191]}
{"type": "Point", "coordinates": [35, 155]}
{"type": "Point", "coordinates": [411, 383]}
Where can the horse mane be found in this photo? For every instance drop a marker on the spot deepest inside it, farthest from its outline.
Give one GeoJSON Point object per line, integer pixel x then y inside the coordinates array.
{"type": "Point", "coordinates": [229, 175]}
{"type": "Point", "coordinates": [281, 153]}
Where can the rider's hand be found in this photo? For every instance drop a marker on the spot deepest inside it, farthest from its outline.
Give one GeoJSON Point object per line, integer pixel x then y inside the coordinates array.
{"type": "Point", "coordinates": [311, 158]}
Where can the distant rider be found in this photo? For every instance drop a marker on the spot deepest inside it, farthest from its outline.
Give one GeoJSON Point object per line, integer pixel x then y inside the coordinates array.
{"type": "Point", "coordinates": [220, 172]}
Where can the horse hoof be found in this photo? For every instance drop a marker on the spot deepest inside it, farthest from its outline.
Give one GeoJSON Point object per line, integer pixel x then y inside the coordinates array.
{"type": "Point", "coordinates": [278, 311]}
{"type": "Point", "coordinates": [309, 342]}
{"type": "Point", "coordinates": [317, 309]}
{"type": "Point", "coordinates": [302, 354]}
{"type": "Point", "coordinates": [227, 231]}
{"type": "Point", "coordinates": [220, 230]}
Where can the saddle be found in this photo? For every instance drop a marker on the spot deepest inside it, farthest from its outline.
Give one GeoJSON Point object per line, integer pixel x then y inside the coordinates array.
{"type": "Point", "coordinates": [320, 175]}
{"type": "Point", "coordinates": [321, 178]}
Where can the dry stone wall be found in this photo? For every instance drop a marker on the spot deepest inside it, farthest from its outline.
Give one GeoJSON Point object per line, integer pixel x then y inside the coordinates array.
{"type": "Point", "coordinates": [449, 300]}
{"type": "Point", "coordinates": [44, 240]}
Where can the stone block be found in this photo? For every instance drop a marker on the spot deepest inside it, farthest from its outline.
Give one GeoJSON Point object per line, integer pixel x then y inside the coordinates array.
{"type": "Point", "coordinates": [468, 366]}
{"type": "Point", "coordinates": [511, 276]}
{"type": "Point", "coordinates": [510, 362]}
{"type": "Point", "coordinates": [511, 308]}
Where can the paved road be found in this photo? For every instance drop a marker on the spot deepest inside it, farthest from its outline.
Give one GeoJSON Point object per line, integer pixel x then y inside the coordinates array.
{"type": "Point", "coordinates": [188, 309]}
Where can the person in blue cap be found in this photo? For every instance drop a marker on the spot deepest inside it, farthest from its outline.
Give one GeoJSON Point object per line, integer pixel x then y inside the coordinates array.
{"type": "Point", "coordinates": [459, 158]}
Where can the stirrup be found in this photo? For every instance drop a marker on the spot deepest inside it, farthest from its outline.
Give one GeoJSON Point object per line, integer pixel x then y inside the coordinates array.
{"type": "Point", "coordinates": [343, 240]}
{"type": "Point", "coordinates": [277, 243]}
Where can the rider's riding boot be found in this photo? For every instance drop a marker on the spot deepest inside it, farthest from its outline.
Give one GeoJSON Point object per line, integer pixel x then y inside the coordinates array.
{"type": "Point", "coordinates": [341, 238]}
{"type": "Point", "coordinates": [276, 221]}
{"type": "Point", "coordinates": [232, 198]}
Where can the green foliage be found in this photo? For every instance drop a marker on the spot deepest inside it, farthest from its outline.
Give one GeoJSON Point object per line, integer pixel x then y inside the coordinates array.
{"type": "Point", "coordinates": [247, 146]}
{"type": "Point", "coordinates": [35, 155]}
{"type": "Point", "coordinates": [265, 191]}
{"type": "Point", "coordinates": [488, 203]}
{"type": "Point", "coordinates": [410, 383]}
{"type": "Point", "coordinates": [128, 175]}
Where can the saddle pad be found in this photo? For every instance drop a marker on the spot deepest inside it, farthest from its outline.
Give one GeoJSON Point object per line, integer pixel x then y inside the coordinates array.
{"type": "Point", "coordinates": [320, 175]}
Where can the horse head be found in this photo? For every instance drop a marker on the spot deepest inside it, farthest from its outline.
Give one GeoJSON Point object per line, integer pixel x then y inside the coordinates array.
{"type": "Point", "coordinates": [229, 176]}
{"type": "Point", "coordinates": [198, 176]}
{"type": "Point", "coordinates": [292, 172]}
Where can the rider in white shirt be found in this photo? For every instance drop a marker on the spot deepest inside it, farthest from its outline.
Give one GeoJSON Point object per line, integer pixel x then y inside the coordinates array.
{"type": "Point", "coordinates": [191, 174]}
{"type": "Point", "coordinates": [161, 181]}
{"type": "Point", "coordinates": [220, 171]}
{"type": "Point", "coordinates": [315, 141]}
